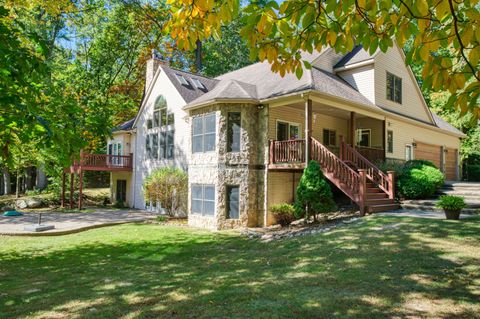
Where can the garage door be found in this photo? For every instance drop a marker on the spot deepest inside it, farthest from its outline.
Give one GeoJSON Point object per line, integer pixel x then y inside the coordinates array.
{"type": "Point", "coordinates": [428, 152]}
{"type": "Point", "coordinates": [451, 164]}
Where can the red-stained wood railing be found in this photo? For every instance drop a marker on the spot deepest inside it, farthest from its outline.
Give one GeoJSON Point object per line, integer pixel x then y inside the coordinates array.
{"type": "Point", "coordinates": [290, 151]}
{"type": "Point", "coordinates": [384, 181]}
{"type": "Point", "coordinates": [106, 162]}
{"type": "Point", "coordinates": [372, 154]}
{"type": "Point", "coordinates": [339, 173]}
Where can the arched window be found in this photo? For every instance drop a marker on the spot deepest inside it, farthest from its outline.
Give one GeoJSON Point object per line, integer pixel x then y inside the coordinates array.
{"type": "Point", "coordinates": [160, 143]}
{"type": "Point", "coordinates": [160, 103]}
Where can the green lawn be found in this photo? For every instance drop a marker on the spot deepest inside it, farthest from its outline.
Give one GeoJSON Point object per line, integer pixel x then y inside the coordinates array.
{"type": "Point", "coordinates": [381, 267]}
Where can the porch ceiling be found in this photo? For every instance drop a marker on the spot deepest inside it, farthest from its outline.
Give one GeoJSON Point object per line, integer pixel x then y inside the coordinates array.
{"type": "Point", "coordinates": [327, 110]}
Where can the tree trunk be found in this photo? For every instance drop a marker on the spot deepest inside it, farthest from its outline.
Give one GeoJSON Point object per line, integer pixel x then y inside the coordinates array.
{"type": "Point", "coordinates": [17, 191]}
{"type": "Point", "coordinates": [7, 188]}
{"type": "Point", "coordinates": [198, 56]}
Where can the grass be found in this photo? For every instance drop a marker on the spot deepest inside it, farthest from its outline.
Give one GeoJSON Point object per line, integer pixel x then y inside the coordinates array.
{"type": "Point", "coordinates": [379, 267]}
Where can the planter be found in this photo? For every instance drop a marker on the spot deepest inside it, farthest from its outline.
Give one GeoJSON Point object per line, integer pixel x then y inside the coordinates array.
{"type": "Point", "coordinates": [452, 213]}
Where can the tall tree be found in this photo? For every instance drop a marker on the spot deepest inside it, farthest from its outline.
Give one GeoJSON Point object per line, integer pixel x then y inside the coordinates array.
{"type": "Point", "coordinates": [278, 32]}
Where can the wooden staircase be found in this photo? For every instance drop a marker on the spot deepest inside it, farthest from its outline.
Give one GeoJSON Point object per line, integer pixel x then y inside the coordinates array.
{"type": "Point", "coordinates": [370, 188]}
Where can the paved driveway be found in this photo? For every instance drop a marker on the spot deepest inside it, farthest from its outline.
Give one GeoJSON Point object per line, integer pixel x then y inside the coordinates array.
{"type": "Point", "coordinates": [71, 222]}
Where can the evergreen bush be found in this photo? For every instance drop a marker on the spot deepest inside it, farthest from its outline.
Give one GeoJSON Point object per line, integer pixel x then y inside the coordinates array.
{"type": "Point", "coordinates": [419, 179]}
{"type": "Point", "coordinates": [314, 195]}
{"type": "Point", "coordinates": [284, 213]}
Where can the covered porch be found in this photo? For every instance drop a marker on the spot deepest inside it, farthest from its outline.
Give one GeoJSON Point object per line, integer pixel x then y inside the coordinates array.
{"type": "Point", "coordinates": [290, 124]}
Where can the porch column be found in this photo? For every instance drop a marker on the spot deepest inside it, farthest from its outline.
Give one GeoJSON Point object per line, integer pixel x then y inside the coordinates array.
{"type": "Point", "coordinates": [80, 201]}
{"type": "Point", "coordinates": [308, 130]}
{"type": "Point", "coordinates": [72, 177]}
{"type": "Point", "coordinates": [353, 124]}
{"type": "Point", "coordinates": [384, 139]}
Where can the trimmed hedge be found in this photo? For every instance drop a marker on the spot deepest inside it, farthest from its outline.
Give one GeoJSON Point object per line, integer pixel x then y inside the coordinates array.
{"type": "Point", "coordinates": [419, 179]}
{"type": "Point", "coordinates": [473, 173]}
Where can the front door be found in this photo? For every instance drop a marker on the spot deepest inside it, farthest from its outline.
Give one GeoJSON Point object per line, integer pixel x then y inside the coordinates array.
{"type": "Point", "coordinates": [121, 191]}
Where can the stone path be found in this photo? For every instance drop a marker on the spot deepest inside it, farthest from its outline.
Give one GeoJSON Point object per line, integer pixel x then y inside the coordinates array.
{"type": "Point", "coordinates": [419, 214]}
{"type": "Point", "coordinates": [71, 222]}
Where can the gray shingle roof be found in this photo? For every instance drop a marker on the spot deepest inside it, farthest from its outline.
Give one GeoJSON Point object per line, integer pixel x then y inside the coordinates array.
{"type": "Point", "coordinates": [124, 126]}
{"type": "Point", "coordinates": [444, 125]}
{"type": "Point", "coordinates": [358, 54]}
{"type": "Point", "coordinates": [189, 92]}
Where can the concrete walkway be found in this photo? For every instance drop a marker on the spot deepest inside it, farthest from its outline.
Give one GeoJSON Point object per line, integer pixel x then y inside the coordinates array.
{"type": "Point", "coordinates": [419, 214]}
{"type": "Point", "coordinates": [66, 223]}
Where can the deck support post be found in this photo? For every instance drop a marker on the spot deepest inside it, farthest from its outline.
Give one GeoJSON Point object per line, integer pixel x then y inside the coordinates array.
{"type": "Point", "coordinates": [342, 147]}
{"type": "Point", "coordinates": [308, 131]}
{"type": "Point", "coordinates": [384, 139]}
{"type": "Point", "coordinates": [363, 191]}
{"type": "Point", "coordinates": [64, 181]}
{"type": "Point", "coordinates": [72, 177]}
{"type": "Point", "coordinates": [353, 124]}
{"type": "Point", "coordinates": [391, 178]}
{"type": "Point", "coordinates": [80, 192]}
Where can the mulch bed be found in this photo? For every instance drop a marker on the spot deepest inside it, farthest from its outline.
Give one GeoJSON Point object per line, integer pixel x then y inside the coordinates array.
{"type": "Point", "coordinates": [301, 228]}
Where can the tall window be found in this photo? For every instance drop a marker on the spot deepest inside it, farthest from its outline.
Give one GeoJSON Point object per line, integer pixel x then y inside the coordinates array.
{"type": "Point", "coordinates": [160, 144]}
{"type": "Point", "coordinates": [203, 199]}
{"type": "Point", "coordinates": [287, 131]}
{"type": "Point", "coordinates": [363, 137]}
{"type": "Point", "coordinates": [329, 137]}
{"type": "Point", "coordinates": [394, 88]}
{"type": "Point", "coordinates": [233, 131]}
{"type": "Point", "coordinates": [408, 152]}
{"type": "Point", "coordinates": [233, 202]}
{"type": "Point", "coordinates": [390, 141]}
{"type": "Point", "coordinates": [204, 133]}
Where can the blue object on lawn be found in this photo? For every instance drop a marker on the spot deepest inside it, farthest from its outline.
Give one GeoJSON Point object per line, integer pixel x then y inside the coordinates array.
{"type": "Point", "coordinates": [12, 213]}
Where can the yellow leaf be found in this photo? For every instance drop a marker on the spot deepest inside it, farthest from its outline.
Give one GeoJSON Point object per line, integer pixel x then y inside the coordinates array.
{"type": "Point", "coordinates": [459, 80]}
{"type": "Point", "coordinates": [442, 9]}
{"type": "Point", "coordinates": [473, 55]}
{"type": "Point", "coordinates": [424, 53]}
{"type": "Point", "coordinates": [422, 7]}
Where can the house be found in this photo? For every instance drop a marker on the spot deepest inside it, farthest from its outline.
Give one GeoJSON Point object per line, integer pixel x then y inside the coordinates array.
{"type": "Point", "coordinates": [245, 136]}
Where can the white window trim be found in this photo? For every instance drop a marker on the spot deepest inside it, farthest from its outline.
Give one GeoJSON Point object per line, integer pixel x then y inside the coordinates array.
{"type": "Point", "coordinates": [369, 130]}
{"type": "Point", "coordinates": [386, 88]}
{"type": "Point", "coordinates": [203, 199]}
{"type": "Point", "coordinates": [393, 142]}
{"type": "Point", "coordinates": [333, 130]}
{"type": "Point", "coordinates": [203, 133]}
{"type": "Point", "coordinates": [412, 152]}
{"type": "Point", "coordinates": [289, 123]}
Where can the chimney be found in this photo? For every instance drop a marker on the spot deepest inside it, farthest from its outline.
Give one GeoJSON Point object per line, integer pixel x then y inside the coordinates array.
{"type": "Point", "coordinates": [152, 66]}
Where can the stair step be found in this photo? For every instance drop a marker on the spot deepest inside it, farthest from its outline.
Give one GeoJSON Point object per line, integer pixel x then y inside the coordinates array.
{"type": "Point", "coordinates": [373, 190]}
{"type": "Point", "coordinates": [382, 208]}
{"type": "Point", "coordinates": [376, 195]}
{"type": "Point", "coordinates": [382, 201]}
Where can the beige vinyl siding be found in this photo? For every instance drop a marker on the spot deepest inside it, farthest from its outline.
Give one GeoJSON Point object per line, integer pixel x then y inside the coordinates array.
{"type": "Point", "coordinates": [412, 101]}
{"type": "Point", "coordinates": [405, 134]}
{"type": "Point", "coordinates": [296, 115]}
{"type": "Point", "coordinates": [362, 80]}
{"type": "Point", "coordinates": [281, 189]}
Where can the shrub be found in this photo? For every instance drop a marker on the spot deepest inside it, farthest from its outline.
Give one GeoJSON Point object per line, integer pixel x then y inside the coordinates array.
{"type": "Point", "coordinates": [168, 186]}
{"type": "Point", "coordinates": [314, 195]}
{"type": "Point", "coordinates": [473, 172]}
{"type": "Point", "coordinates": [451, 202]}
{"type": "Point", "coordinates": [419, 179]}
{"type": "Point", "coordinates": [284, 213]}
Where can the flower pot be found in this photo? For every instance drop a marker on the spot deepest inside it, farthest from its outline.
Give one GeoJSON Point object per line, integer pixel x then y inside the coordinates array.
{"type": "Point", "coordinates": [452, 213]}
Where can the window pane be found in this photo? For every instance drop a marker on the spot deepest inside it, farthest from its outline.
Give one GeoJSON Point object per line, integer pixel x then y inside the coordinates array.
{"type": "Point", "coordinates": [170, 144]}
{"type": "Point", "coordinates": [170, 118]}
{"type": "Point", "coordinates": [326, 139]}
{"type": "Point", "coordinates": [119, 149]}
{"type": "Point", "coordinates": [197, 206]}
{"type": "Point", "coordinates": [390, 86]}
{"type": "Point", "coordinates": [398, 90]}
{"type": "Point", "coordinates": [333, 138]}
{"type": "Point", "coordinates": [197, 144]}
{"type": "Point", "coordinates": [162, 144]}
{"type": "Point", "coordinates": [160, 102]}
{"type": "Point", "coordinates": [233, 202]}
{"type": "Point", "coordinates": [233, 137]}
{"type": "Point", "coordinates": [209, 208]}
{"type": "Point", "coordinates": [197, 192]}
{"type": "Point", "coordinates": [282, 129]}
{"type": "Point", "coordinates": [148, 146]}
{"type": "Point", "coordinates": [210, 123]}
{"type": "Point", "coordinates": [149, 123]}
{"type": "Point", "coordinates": [163, 117]}
{"type": "Point", "coordinates": [294, 132]}
{"type": "Point", "coordinates": [110, 148]}
{"type": "Point", "coordinates": [390, 141]}
{"type": "Point", "coordinates": [197, 126]}
{"type": "Point", "coordinates": [209, 142]}
{"type": "Point", "coordinates": [209, 192]}
{"type": "Point", "coordinates": [156, 119]}
{"type": "Point", "coordinates": [155, 146]}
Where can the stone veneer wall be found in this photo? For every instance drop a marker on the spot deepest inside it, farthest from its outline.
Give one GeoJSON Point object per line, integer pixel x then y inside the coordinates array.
{"type": "Point", "coordinates": [245, 168]}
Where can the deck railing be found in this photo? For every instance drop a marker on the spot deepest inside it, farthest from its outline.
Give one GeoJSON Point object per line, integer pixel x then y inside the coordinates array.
{"type": "Point", "coordinates": [384, 181]}
{"type": "Point", "coordinates": [106, 161]}
{"type": "Point", "coordinates": [290, 151]}
{"type": "Point", "coordinates": [372, 154]}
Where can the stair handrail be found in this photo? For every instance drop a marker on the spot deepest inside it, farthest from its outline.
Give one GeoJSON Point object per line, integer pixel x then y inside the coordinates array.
{"type": "Point", "coordinates": [339, 173]}
{"type": "Point", "coordinates": [384, 181]}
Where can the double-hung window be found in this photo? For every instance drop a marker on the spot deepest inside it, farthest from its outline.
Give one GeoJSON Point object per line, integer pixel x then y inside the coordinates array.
{"type": "Point", "coordinates": [390, 141]}
{"type": "Point", "coordinates": [329, 137]}
{"type": "Point", "coordinates": [233, 202]}
{"type": "Point", "coordinates": [394, 88]}
{"type": "Point", "coordinates": [287, 131]}
{"type": "Point", "coordinates": [204, 133]}
{"type": "Point", "coordinates": [203, 199]}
